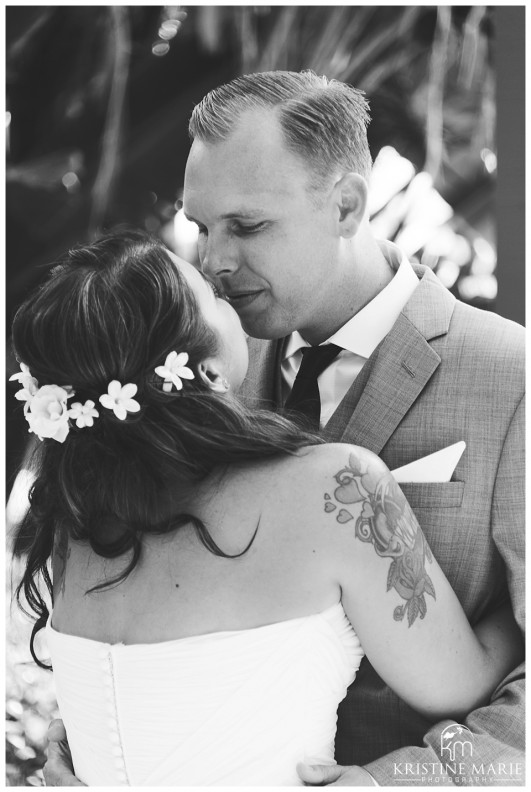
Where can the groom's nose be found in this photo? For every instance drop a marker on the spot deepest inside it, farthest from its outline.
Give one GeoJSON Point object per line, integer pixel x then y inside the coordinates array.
{"type": "Point", "coordinates": [218, 257]}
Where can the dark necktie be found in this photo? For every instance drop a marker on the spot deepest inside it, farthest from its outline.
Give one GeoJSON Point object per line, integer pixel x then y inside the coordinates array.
{"type": "Point", "coordinates": [304, 396]}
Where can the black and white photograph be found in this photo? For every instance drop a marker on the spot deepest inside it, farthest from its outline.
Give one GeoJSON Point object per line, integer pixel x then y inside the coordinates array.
{"type": "Point", "coordinates": [265, 380]}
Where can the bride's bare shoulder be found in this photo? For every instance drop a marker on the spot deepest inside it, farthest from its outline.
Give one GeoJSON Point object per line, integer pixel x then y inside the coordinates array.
{"type": "Point", "coordinates": [302, 484]}
{"type": "Point", "coordinates": [323, 462]}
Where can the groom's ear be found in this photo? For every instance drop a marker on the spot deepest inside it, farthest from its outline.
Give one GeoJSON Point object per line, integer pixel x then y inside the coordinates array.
{"type": "Point", "coordinates": [351, 195]}
{"type": "Point", "coordinates": [211, 373]}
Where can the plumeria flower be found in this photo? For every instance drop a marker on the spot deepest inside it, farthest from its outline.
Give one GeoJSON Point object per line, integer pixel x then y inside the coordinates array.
{"type": "Point", "coordinates": [119, 398]}
{"type": "Point", "coordinates": [83, 414]}
{"type": "Point", "coordinates": [29, 386]}
{"type": "Point", "coordinates": [22, 374]}
{"type": "Point", "coordinates": [174, 371]}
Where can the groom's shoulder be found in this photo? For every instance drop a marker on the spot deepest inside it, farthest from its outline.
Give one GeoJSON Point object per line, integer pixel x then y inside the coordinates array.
{"type": "Point", "coordinates": [466, 326]}
{"type": "Point", "coordinates": [488, 335]}
{"type": "Point", "coordinates": [479, 351]}
{"type": "Point", "coordinates": [469, 340]}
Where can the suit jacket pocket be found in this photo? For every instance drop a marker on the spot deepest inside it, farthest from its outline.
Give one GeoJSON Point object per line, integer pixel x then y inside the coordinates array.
{"type": "Point", "coordinates": [436, 495]}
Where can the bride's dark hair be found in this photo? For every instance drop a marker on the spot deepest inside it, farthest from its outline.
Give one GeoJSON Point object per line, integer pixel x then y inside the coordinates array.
{"type": "Point", "coordinates": [113, 310]}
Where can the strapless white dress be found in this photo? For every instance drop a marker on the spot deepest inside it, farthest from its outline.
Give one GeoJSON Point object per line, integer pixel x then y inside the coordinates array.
{"type": "Point", "coordinates": [225, 709]}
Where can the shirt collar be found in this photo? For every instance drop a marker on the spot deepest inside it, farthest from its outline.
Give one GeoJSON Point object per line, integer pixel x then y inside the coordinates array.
{"type": "Point", "coordinates": [366, 329]}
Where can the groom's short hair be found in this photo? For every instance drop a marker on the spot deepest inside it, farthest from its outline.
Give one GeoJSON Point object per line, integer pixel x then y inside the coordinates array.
{"type": "Point", "coordinates": [324, 121]}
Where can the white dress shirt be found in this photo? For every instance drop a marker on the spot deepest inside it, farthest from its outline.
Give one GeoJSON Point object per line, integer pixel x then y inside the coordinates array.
{"type": "Point", "coordinates": [358, 338]}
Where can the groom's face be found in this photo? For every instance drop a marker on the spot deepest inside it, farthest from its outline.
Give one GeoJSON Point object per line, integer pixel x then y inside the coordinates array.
{"type": "Point", "coordinates": [269, 239]}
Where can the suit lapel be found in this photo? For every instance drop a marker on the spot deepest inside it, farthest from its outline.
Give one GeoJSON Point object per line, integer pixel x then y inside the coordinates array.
{"type": "Point", "coordinates": [397, 372]}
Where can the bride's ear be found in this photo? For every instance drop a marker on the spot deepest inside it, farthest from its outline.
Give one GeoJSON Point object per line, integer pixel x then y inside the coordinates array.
{"type": "Point", "coordinates": [212, 375]}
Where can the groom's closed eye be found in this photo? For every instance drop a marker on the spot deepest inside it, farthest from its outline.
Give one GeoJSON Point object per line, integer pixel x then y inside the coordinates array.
{"type": "Point", "coordinates": [242, 229]}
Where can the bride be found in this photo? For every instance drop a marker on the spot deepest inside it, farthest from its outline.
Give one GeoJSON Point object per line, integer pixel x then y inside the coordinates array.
{"type": "Point", "coordinates": [218, 574]}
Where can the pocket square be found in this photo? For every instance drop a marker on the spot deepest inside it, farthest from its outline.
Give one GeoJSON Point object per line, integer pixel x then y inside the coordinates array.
{"type": "Point", "coordinates": [434, 468]}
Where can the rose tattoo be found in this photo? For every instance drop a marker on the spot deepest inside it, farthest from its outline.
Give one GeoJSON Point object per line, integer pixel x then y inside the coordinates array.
{"type": "Point", "coordinates": [387, 522]}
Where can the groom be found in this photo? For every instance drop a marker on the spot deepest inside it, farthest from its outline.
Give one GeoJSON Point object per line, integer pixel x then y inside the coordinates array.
{"type": "Point", "coordinates": [277, 182]}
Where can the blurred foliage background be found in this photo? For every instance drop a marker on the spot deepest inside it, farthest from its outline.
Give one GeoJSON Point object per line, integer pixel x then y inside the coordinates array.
{"type": "Point", "coordinates": [98, 99]}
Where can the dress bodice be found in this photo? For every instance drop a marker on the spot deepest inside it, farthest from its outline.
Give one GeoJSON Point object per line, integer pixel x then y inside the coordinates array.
{"type": "Point", "coordinates": [226, 708]}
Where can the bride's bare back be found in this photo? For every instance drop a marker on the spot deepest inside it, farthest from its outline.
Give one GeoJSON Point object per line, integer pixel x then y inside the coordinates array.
{"type": "Point", "coordinates": [179, 588]}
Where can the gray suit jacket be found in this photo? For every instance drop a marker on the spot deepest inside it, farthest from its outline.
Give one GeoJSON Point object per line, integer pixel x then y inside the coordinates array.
{"type": "Point", "coordinates": [446, 372]}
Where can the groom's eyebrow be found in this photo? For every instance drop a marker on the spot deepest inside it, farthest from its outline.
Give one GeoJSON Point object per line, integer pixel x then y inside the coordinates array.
{"type": "Point", "coordinates": [241, 214]}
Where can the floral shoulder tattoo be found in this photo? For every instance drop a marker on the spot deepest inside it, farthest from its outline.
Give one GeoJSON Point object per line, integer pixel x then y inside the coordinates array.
{"type": "Point", "coordinates": [387, 522]}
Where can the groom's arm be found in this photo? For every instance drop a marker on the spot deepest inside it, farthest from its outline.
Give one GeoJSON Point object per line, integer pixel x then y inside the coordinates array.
{"type": "Point", "coordinates": [496, 755]}
{"type": "Point", "coordinates": [498, 730]}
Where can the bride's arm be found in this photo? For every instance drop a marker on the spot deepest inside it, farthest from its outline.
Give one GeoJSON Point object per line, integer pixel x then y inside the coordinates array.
{"type": "Point", "coordinates": [401, 605]}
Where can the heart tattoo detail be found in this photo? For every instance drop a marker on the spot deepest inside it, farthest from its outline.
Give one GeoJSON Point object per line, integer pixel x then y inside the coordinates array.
{"type": "Point", "coordinates": [344, 516]}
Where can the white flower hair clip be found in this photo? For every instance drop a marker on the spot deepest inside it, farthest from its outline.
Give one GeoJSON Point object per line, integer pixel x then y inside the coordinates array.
{"type": "Point", "coordinates": [119, 398]}
{"type": "Point", "coordinates": [174, 371]}
{"type": "Point", "coordinates": [45, 409]}
{"type": "Point", "coordinates": [29, 385]}
{"type": "Point", "coordinates": [83, 414]}
{"type": "Point", "coordinates": [47, 412]}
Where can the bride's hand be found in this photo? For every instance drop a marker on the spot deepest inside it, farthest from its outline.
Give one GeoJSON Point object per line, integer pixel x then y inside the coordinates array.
{"type": "Point", "coordinates": [58, 770]}
{"type": "Point", "coordinates": [334, 775]}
